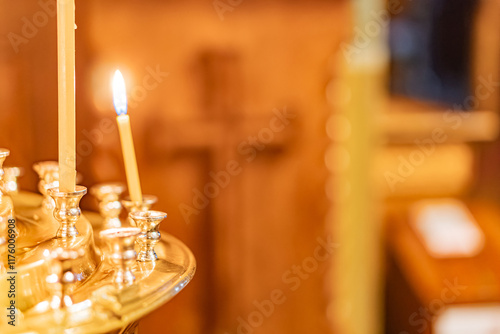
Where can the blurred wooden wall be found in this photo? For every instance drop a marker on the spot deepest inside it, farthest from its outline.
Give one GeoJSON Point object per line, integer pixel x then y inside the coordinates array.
{"type": "Point", "coordinates": [201, 89]}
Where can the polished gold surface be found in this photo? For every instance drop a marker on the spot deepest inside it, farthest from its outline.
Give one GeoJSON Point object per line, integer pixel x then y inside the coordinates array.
{"type": "Point", "coordinates": [6, 208]}
{"type": "Point", "coordinates": [36, 234]}
{"type": "Point", "coordinates": [67, 210]}
{"type": "Point", "coordinates": [147, 202]}
{"type": "Point", "coordinates": [99, 306]}
{"type": "Point", "coordinates": [110, 207]}
{"type": "Point", "coordinates": [149, 223]}
{"type": "Point", "coordinates": [48, 174]}
{"type": "Point", "coordinates": [133, 206]}
{"type": "Point", "coordinates": [64, 263]}
{"type": "Point", "coordinates": [10, 179]}
{"type": "Point", "coordinates": [65, 282]}
{"type": "Point", "coordinates": [121, 252]}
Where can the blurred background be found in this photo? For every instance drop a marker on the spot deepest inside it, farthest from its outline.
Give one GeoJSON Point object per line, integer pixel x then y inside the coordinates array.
{"type": "Point", "coordinates": [332, 164]}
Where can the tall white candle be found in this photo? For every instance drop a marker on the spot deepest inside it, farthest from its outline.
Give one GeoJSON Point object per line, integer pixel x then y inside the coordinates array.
{"type": "Point", "coordinates": [66, 94]}
{"type": "Point", "coordinates": [123, 120]}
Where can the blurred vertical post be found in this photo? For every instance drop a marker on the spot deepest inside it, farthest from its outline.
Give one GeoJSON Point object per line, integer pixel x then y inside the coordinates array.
{"type": "Point", "coordinates": [357, 96]}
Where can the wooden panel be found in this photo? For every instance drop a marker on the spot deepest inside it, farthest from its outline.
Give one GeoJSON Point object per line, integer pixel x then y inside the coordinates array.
{"type": "Point", "coordinates": [430, 283]}
{"type": "Point", "coordinates": [203, 93]}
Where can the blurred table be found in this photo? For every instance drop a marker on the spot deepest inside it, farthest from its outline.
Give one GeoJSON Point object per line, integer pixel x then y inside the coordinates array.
{"type": "Point", "coordinates": [430, 295]}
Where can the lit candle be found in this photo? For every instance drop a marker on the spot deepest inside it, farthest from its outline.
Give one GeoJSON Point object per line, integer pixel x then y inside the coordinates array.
{"type": "Point", "coordinates": [66, 94]}
{"type": "Point", "coordinates": [120, 103]}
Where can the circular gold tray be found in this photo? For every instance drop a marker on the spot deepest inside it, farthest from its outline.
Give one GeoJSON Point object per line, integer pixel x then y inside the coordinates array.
{"type": "Point", "coordinates": [98, 306]}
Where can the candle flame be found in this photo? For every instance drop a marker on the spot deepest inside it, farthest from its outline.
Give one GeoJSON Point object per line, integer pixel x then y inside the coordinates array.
{"type": "Point", "coordinates": [119, 94]}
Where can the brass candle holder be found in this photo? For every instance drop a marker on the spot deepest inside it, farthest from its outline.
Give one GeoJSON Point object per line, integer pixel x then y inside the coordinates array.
{"type": "Point", "coordinates": [6, 204]}
{"type": "Point", "coordinates": [120, 244]}
{"type": "Point", "coordinates": [63, 284]}
{"type": "Point", "coordinates": [61, 276]}
{"type": "Point", "coordinates": [10, 179]}
{"type": "Point", "coordinates": [130, 206]}
{"type": "Point", "coordinates": [67, 210]}
{"type": "Point", "coordinates": [48, 174]}
{"type": "Point", "coordinates": [149, 223]}
{"type": "Point", "coordinates": [110, 207]}
{"type": "Point", "coordinates": [60, 292]}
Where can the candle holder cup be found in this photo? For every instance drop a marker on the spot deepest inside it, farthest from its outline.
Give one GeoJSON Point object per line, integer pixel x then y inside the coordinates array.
{"type": "Point", "coordinates": [110, 207]}
{"type": "Point", "coordinates": [61, 276]}
{"type": "Point", "coordinates": [121, 253]}
{"type": "Point", "coordinates": [10, 179]}
{"type": "Point", "coordinates": [133, 206]}
{"type": "Point", "coordinates": [149, 223]}
{"type": "Point", "coordinates": [48, 174]}
{"type": "Point", "coordinates": [67, 210]}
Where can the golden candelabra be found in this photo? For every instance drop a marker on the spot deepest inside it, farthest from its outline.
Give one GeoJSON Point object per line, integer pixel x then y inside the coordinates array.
{"type": "Point", "coordinates": [64, 271]}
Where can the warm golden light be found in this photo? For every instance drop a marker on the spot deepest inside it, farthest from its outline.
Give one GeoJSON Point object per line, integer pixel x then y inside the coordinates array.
{"type": "Point", "coordinates": [119, 94]}
{"type": "Point", "coordinates": [123, 120]}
